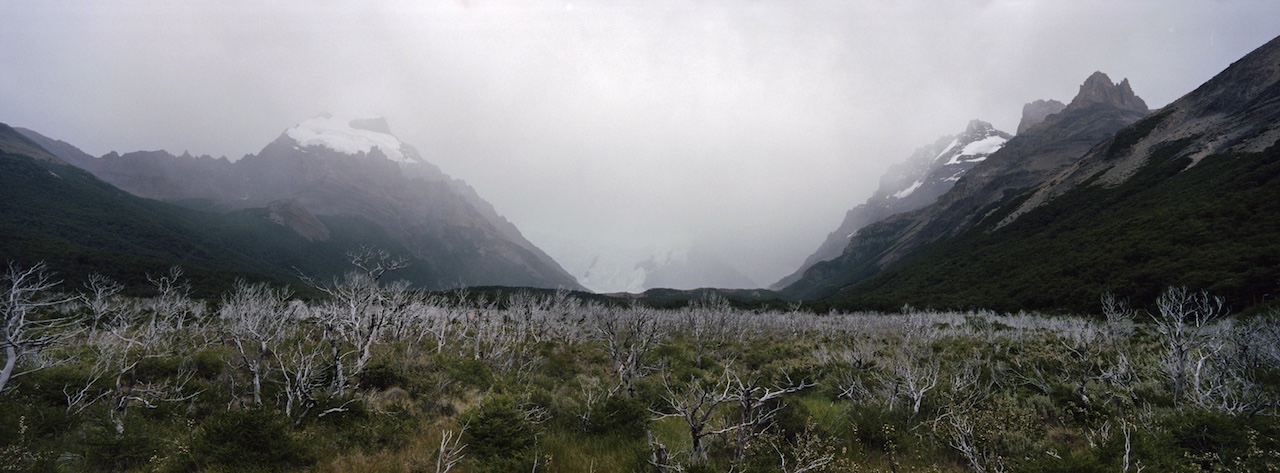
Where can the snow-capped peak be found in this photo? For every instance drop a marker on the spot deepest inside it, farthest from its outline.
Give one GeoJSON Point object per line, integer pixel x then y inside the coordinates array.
{"type": "Point", "coordinates": [350, 136]}
{"type": "Point", "coordinates": [978, 150]}
{"type": "Point", "coordinates": [978, 141]}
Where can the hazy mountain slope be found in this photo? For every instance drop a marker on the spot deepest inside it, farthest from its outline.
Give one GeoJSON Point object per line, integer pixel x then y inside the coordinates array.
{"type": "Point", "coordinates": [14, 142]}
{"type": "Point", "coordinates": [931, 171]}
{"type": "Point", "coordinates": [326, 167]}
{"type": "Point", "coordinates": [1041, 151]}
{"type": "Point", "coordinates": [54, 212]}
{"type": "Point", "coordinates": [1189, 196]}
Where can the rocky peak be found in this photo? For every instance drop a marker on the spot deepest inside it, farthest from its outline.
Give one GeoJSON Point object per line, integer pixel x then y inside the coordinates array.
{"type": "Point", "coordinates": [1035, 112]}
{"type": "Point", "coordinates": [350, 136]}
{"type": "Point", "coordinates": [978, 126]}
{"type": "Point", "coordinates": [1098, 88]}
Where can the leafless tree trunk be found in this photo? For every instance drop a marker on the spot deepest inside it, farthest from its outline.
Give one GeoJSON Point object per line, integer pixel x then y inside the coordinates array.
{"type": "Point", "coordinates": [912, 370]}
{"type": "Point", "coordinates": [360, 310]}
{"type": "Point", "coordinates": [754, 413]}
{"type": "Point", "coordinates": [102, 300]}
{"type": "Point", "coordinates": [628, 334]}
{"type": "Point", "coordinates": [26, 291]}
{"type": "Point", "coordinates": [1182, 320]}
{"type": "Point", "coordinates": [1118, 333]}
{"type": "Point", "coordinates": [256, 318]}
{"type": "Point", "coordinates": [707, 323]}
{"type": "Point", "coordinates": [450, 452]}
{"type": "Point", "coordinates": [172, 308]}
{"type": "Point", "coordinates": [696, 404]}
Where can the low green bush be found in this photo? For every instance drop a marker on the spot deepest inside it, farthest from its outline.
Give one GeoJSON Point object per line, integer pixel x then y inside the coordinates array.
{"type": "Point", "coordinates": [249, 440]}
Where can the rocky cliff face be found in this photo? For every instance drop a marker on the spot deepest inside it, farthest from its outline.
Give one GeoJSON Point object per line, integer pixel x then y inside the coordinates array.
{"type": "Point", "coordinates": [1098, 88]}
{"type": "Point", "coordinates": [930, 172]}
{"type": "Point", "coordinates": [1029, 159]}
{"type": "Point", "coordinates": [1233, 112]}
{"type": "Point", "coordinates": [1035, 112]}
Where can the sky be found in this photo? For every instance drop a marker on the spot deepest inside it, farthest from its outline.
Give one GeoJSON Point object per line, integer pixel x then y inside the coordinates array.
{"type": "Point", "coordinates": [742, 130]}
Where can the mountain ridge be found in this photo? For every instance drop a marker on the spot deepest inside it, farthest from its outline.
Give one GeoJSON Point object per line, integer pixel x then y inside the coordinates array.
{"type": "Point", "coordinates": [442, 222]}
{"type": "Point", "coordinates": [1187, 196]}
{"type": "Point", "coordinates": [909, 185]}
{"type": "Point", "coordinates": [1100, 109]}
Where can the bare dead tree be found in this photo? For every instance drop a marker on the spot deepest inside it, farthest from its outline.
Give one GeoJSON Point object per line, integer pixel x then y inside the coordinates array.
{"type": "Point", "coordinates": [257, 317]}
{"type": "Point", "coordinates": [1083, 348]}
{"type": "Point", "coordinates": [660, 458]}
{"type": "Point", "coordinates": [972, 382]}
{"type": "Point", "coordinates": [102, 299]}
{"type": "Point", "coordinates": [27, 292]}
{"type": "Point", "coordinates": [1118, 330]}
{"type": "Point", "coordinates": [450, 452]}
{"type": "Point", "coordinates": [172, 308]}
{"type": "Point", "coordinates": [628, 334]}
{"type": "Point", "coordinates": [593, 392]}
{"type": "Point", "coordinates": [964, 440]}
{"type": "Point", "coordinates": [119, 348]}
{"type": "Point", "coordinates": [911, 371]}
{"type": "Point", "coordinates": [854, 355]}
{"type": "Point", "coordinates": [497, 336]}
{"type": "Point", "coordinates": [1182, 319]}
{"type": "Point", "coordinates": [915, 378]}
{"type": "Point", "coordinates": [1225, 376]}
{"type": "Point", "coordinates": [303, 370]}
{"type": "Point", "coordinates": [359, 310]}
{"type": "Point", "coordinates": [374, 262]}
{"type": "Point", "coordinates": [707, 323]}
{"type": "Point", "coordinates": [756, 410]}
{"type": "Point", "coordinates": [567, 322]}
{"type": "Point", "coordinates": [810, 452]}
{"type": "Point", "coordinates": [437, 320]}
{"type": "Point", "coordinates": [696, 405]}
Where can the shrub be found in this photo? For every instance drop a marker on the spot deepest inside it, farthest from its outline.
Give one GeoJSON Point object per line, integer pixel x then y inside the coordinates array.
{"type": "Point", "coordinates": [620, 415]}
{"type": "Point", "coordinates": [108, 451]}
{"type": "Point", "coordinates": [249, 440]}
{"type": "Point", "coordinates": [382, 376]}
{"type": "Point", "coordinates": [500, 434]}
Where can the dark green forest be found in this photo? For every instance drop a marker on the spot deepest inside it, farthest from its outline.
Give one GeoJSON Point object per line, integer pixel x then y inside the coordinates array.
{"type": "Point", "coordinates": [1210, 225]}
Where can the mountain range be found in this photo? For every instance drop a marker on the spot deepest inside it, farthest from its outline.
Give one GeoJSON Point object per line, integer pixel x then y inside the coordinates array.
{"type": "Point", "coordinates": [1101, 195]}
{"type": "Point", "coordinates": [326, 187]}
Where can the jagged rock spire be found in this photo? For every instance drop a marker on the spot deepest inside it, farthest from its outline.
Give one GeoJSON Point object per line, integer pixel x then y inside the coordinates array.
{"type": "Point", "coordinates": [1098, 88]}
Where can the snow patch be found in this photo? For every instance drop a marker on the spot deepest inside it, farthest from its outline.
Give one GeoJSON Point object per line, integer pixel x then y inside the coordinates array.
{"type": "Point", "coordinates": [339, 135]}
{"type": "Point", "coordinates": [906, 192]}
{"type": "Point", "coordinates": [948, 148]}
{"type": "Point", "coordinates": [978, 150]}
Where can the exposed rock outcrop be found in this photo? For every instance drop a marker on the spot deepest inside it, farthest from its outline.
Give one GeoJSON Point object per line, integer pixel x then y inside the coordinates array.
{"type": "Point", "coordinates": [1098, 88]}
{"type": "Point", "coordinates": [1035, 112]}
{"type": "Point", "coordinates": [289, 213]}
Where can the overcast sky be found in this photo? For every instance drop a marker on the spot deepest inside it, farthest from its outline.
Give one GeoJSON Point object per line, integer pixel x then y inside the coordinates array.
{"type": "Point", "coordinates": [743, 127]}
